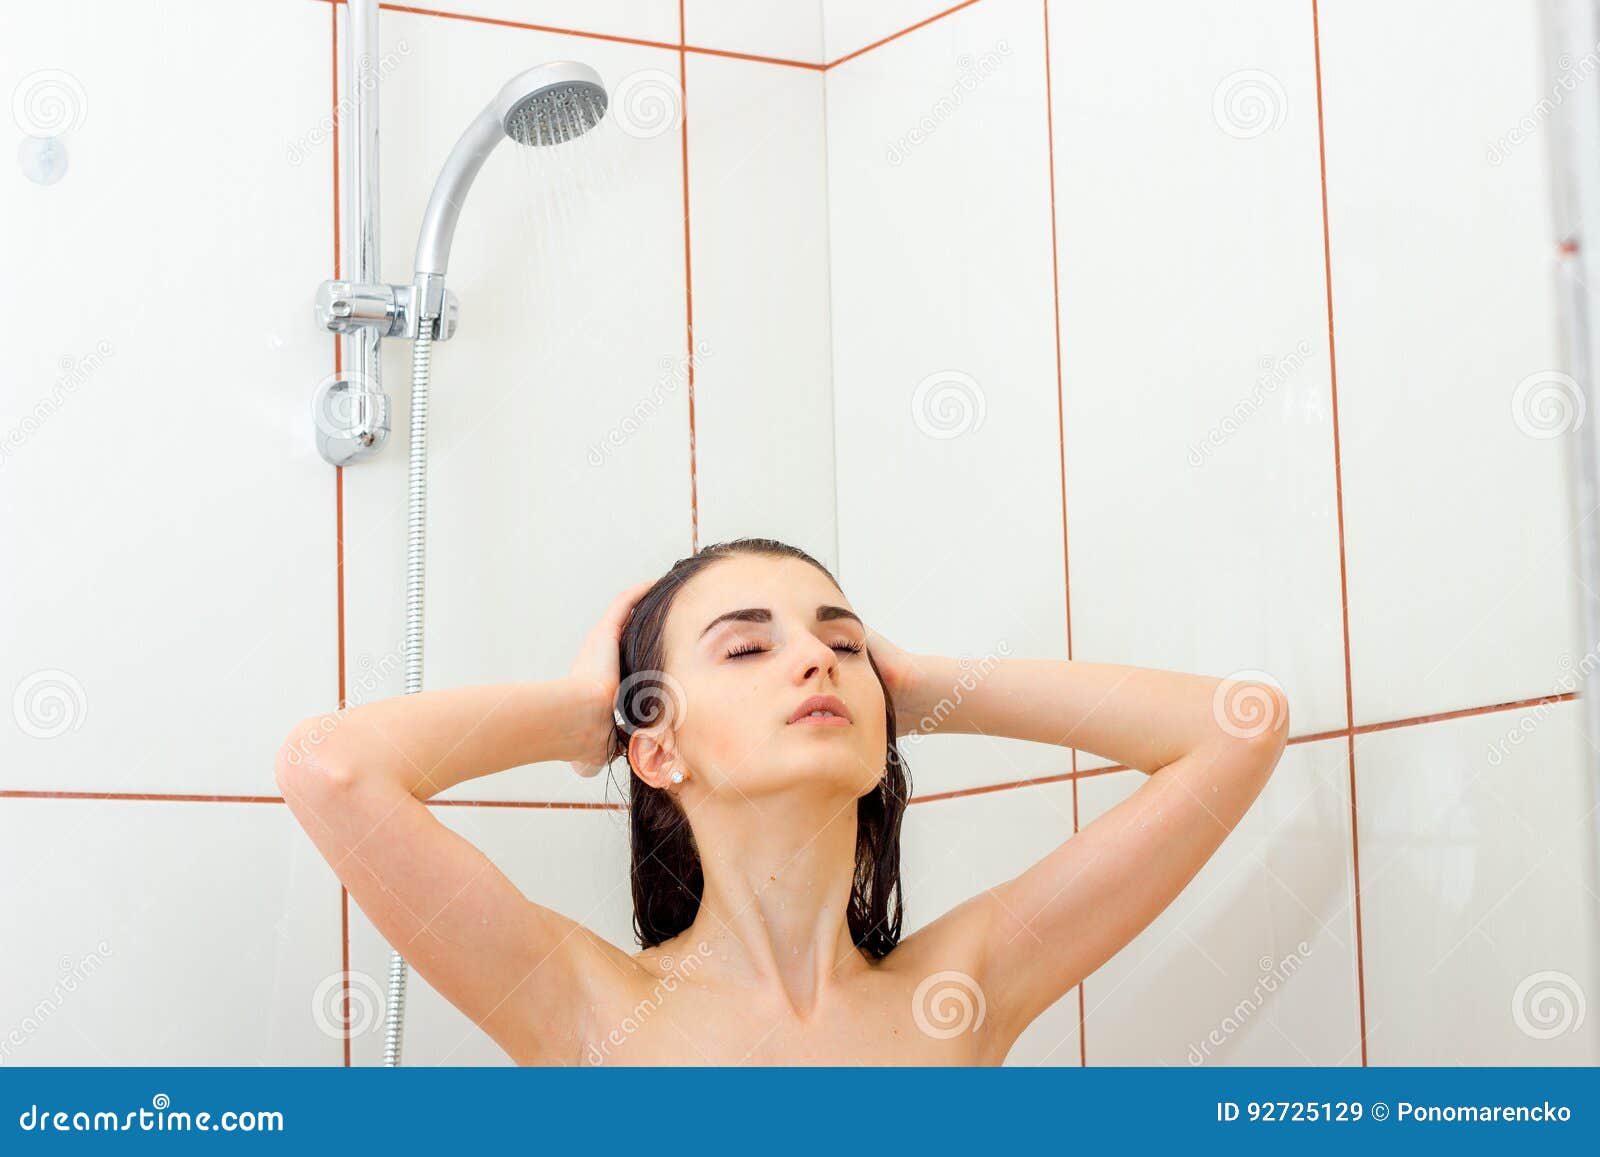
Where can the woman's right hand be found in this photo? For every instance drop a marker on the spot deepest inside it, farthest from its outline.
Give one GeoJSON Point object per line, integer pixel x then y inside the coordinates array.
{"type": "Point", "coordinates": [597, 670]}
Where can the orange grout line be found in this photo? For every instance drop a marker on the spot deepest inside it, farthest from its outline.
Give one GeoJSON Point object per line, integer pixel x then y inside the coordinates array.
{"type": "Point", "coordinates": [681, 47]}
{"type": "Point", "coordinates": [902, 32]}
{"type": "Point", "coordinates": [1061, 430]}
{"type": "Point", "coordinates": [1036, 781]}
{"type": "Point", "coordinates": [608, 36]}
{"type": "Point", "coordinates": [125, 796]}
{"type": "Point", "coordinates": [1344, 586]}
{"type": "Point", "coordinates": [815, 66]}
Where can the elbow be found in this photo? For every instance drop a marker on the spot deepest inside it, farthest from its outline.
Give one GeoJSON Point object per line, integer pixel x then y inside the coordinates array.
{"type": "Point", "coordinates": [1269, 732]}
{"type": "Point", "coordinates": [305, 759]}
{"type": "Point", "coordinates": [1252, 716]}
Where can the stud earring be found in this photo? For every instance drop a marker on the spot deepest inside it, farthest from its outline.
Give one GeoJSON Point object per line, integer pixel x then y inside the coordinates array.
{"type": "Point", "coordinates": [677, 775]}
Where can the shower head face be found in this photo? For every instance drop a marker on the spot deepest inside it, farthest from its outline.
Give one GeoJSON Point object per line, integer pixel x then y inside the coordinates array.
{"type": "Point", "coordinates": [552, 104]}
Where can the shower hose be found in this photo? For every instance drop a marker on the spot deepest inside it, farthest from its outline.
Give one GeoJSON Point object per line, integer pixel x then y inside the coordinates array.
{"type": "Point", "coordinates": [416, 535]}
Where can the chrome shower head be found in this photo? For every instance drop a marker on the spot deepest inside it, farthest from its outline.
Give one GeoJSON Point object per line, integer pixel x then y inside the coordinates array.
{"type": "Point", "coordinates": [551, 104]}
{"type": "Point", "coordinates": [546, 105]}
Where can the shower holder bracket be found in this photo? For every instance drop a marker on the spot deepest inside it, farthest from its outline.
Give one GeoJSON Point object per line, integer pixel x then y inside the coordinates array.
{"type": "Point", "coordinates": [392, 310]}
{"type": "Point", "coordinates": [352, 415]}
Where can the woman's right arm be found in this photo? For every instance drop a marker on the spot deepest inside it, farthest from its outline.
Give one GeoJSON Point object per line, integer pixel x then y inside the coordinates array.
{"type": "Point", "coordinates": [356, 781]}
{"type": "Point", "coordinates": [433, 740]}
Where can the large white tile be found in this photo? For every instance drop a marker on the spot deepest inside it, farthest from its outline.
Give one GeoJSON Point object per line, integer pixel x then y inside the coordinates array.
{"type": "Point", "coordinates": [782, 29]}
{"type": "Point", "coordinates": [1255, 962]}
{"type": "Point", "coordinates": [849, 25]}
{"type": "Point", "coordinates": [952, 849]}
{"type": "Point", "coordinates": [165, 934]}
{"type": "Point", "coordinates": [573, 861]}
{"type": "Point", "coordinates": [170, 562]}
{"type": "Point", "coordinates": [947, 436]}
{"type": "Point", "coordinates": [652, 20]}
{"type": "Point", "coordinates": [1478, 890]}
{"type": "Point", "coordinates": [558, 440]}
{"type": "Point", "coordinates": [1444, 315]}
{"type": "Point", "coordinates": [1202, 523]}
{"type": "Point", "coordinates": [763, 373]}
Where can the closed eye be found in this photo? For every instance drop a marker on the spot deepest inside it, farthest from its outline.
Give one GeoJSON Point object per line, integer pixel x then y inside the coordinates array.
{"type": "Point", "coordinates": [757, 648]}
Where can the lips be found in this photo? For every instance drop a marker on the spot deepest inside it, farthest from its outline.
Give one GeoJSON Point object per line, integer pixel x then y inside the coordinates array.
{"type": "Point", "coordinates": [829, 703]}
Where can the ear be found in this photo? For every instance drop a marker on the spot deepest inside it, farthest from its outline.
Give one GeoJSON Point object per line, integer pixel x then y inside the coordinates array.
{"type": "Point", "coordinates": [653, 757]}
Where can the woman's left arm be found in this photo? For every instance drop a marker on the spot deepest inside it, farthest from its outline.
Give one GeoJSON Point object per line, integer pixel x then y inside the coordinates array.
{"type": "Point", "coordinates": [1208, 746]}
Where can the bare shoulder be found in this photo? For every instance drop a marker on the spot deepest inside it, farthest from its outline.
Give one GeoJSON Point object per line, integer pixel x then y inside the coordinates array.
{"type": "Point", "coordinates": [599, 977]}
{"type": "Point", "coordinates": [946, 968]}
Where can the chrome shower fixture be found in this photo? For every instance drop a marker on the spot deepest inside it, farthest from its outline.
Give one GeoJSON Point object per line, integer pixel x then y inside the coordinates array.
{"type": "Point", "coordinates": [546, 105]}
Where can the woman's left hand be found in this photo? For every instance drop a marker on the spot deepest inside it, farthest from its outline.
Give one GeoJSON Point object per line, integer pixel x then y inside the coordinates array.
{"type": "Point", "coordinates": [904, 674]}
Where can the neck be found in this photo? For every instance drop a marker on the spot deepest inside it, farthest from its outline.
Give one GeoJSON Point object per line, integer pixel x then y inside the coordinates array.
{"type": "Point", "coordinates": [777, 890]}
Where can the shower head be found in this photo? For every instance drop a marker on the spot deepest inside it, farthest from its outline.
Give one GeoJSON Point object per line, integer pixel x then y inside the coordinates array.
{"type": "Point", "coordinates": [551, 104]}
{"type": "Point", "coordinates": [546, 105]}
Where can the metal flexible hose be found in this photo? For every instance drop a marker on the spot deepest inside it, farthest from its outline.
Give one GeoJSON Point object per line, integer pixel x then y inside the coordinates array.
{"type": "Point", "coordinates": [416, 543]}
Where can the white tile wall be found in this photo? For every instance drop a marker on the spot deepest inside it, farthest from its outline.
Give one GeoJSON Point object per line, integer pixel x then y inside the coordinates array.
{"type": "Point", "coordinates": [165, 934]}
{"type": "Point", "coordinates": [849, 25]}
{"type": "Point", "coordinates": [169, 558]}
{"type": "Point", "coordinates": [947, 435]}
{"type": "Point", "coordinates": [1201, 513]}
{"type": "Point", "coordinates": [1479, 890]}
{"type": "Point", "coordinates": [758, 207]}
{"type": "Point", "coordinates": [652, 20]}
{"type": "Point", "coordinates": [781, 29]}
{"type": "Point", "coordinates": [1443, 305]}
{"type": "Point", "coordinates": [1255, 962]}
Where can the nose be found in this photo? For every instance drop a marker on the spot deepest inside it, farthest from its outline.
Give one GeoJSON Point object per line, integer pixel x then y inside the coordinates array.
{"type": "Point", "coordinates": [816, 657]}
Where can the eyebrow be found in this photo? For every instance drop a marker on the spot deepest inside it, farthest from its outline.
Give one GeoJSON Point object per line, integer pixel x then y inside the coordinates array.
{"type": "Point", "coordinates": [825, 613]}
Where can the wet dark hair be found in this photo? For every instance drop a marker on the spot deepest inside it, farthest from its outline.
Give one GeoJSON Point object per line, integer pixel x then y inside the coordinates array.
{"type": "Point", "coordinates": [666, 872]}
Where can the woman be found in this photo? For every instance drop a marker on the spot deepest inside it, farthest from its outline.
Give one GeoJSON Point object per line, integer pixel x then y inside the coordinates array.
{"type": "Point", "coordinates": [759, 716]}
